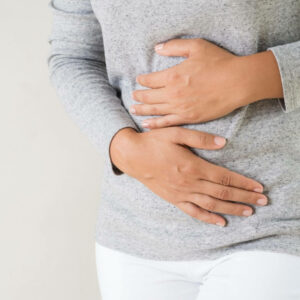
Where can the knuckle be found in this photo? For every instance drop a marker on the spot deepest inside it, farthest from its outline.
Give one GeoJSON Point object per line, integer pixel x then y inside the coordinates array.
{"type": "Point", "coordinates": [182, 170]}
{"type": "Point", "coordinates": [173, 76]}
{"type": "Point", "coordinates": [186, 80]}
{"type": "Point", "coordinates": [208, 219]}
{"type": "Point", "coordinates": [223, 193]}
{"type": "Point", "coordinates": [188, 208]}
{"type": "Point", "coordinates": [190, 115]}
{"type": "Point", "coordinates": [187, 168]}
{"type": "Point", "coordinates": [226, 179]}
{"type": "Point", "coordinates": [204, 217]}
{"type": "Point", "coordinates": [154, 124]}
{"type": "Point", "coordinates": [208, 204]}
{"type": "Point", "coordinates": [235, 209]}
{"type": "Point", "coordinates": [154, 109]}
{"type": "Point", "coordinates": [165, 122]}
{"type": "Point", "coordinates": [203, 139]}
{"type": "Point", "coordinates": [195, 213]}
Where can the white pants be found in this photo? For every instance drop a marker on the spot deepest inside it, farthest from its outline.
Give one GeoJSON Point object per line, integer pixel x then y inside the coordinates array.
{"type": "Point", "coordinates": [244, 275]}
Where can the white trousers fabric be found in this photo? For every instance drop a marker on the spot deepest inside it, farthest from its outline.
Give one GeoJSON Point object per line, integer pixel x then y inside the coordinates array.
{"type": "Point", "coordinates": [244, 275]}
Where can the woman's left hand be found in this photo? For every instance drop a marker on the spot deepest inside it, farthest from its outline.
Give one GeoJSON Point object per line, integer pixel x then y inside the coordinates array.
{"type": "Point", "coordinates": [210, 83]}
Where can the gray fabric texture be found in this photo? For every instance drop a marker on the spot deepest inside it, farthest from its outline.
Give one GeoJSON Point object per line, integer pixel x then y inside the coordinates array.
{"type": "Point", "coordinates": [98, 47]}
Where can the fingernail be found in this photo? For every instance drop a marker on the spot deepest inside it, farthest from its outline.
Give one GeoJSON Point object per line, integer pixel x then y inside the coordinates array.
{"type": "Point", "coordinates": [259, 189]}
{"type": "Point", "coordinates": [220, 140]}
{"type": "Point", "coordinates": [247, 212]}
{"type": "Point", "coordinates": [132, 110]}
{"type": "Point", "coordinates": [159, 46]}
{"type": "Point", "coordinates": [220, 224]}
{"type": "Point", "coordinates": [262, 201]}
{"type": "Point", "coordinates": [145, 124]}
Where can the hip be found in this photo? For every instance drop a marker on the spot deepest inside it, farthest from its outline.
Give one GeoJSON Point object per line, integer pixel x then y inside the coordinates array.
{"type": "Point", "coordinates": [253, 274]}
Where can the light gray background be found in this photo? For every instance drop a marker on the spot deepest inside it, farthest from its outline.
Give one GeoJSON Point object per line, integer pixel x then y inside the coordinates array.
{"type": "Point", "coordinates": [49, 171]}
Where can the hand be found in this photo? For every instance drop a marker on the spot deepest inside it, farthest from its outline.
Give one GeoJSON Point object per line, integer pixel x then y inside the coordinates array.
{"type": "Point", "coordinates": [161, 160]}
{"type": "Point", "coordinates": [210, 83]}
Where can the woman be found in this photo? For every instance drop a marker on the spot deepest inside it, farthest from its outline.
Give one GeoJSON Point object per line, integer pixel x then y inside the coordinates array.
{"type": "Point", "coordinates": [183, 215]}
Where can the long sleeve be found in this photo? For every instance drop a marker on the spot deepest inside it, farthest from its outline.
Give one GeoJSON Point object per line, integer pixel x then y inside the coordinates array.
{"type": "Point", "coordinates": [288, 60]}
{"type": "Point", "coordinates": [78, 73]}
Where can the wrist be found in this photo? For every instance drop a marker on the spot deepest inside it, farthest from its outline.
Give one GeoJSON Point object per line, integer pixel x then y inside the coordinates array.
{"type": "Point", "coordinates": [262, 80]}
{"type": "Point", "coordinates": [121, 145]}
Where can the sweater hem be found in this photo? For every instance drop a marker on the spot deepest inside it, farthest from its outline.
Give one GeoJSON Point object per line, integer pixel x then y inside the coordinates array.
{"type": "Point", "coordinates": [281, 244]}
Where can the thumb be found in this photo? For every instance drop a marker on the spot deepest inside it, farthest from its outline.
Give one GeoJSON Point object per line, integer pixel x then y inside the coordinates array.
{"type": "Point", "coordinates": [176, 47]}
{"type": "Point", "coordinates": [198, 139]}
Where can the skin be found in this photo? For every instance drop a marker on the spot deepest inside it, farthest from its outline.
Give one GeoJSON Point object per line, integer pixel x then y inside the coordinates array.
{"type": "Point", "coordinates": [162, 161]}
{"type": "Point", "coordinates": [209, 84]}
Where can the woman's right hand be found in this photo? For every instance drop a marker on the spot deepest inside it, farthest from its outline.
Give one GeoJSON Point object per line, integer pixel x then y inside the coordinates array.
{"type": "Point", "coordinates": [161, 160]}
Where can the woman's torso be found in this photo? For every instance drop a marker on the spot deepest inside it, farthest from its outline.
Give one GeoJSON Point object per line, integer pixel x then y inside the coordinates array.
{"type": "Point", "coordinates": [263, 141]}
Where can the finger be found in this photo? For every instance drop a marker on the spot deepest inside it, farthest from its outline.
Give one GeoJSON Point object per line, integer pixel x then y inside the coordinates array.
{"type": "Point", "coordinates": [201, 214]}
{"type": "Point", "coordinates": [166, 121]}
{"type": "Point", "coordinates": [147, 110]}
{"type": "Point", "coordinates": [228, 193]}
{"type": "Point", "coordinates": [187, 207]}
{"type": "Point", "coordinates": [151, 96]}
{"type": "Point", "coordinates": [154, 80]}
{"type": "Point", "coordinates": [161, 78]}
{"type": "Point", "coordinates": [216, 205]}
{"type": "Point", "coordinates": [178, 47]}
{"type": "Point", "coordinates": [221, 192]}
{"type": "Point", "coordinates": [197, 139]}
{"type": "Point", "coordinates": [226, 177]}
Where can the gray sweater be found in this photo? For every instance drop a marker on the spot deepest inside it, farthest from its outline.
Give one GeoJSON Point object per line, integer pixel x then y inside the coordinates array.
{"type": "Point", "coordinates": [93, 69]}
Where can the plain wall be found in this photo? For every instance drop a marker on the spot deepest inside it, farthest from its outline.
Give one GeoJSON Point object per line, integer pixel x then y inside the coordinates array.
{"type": "Point", "coordinates": [49, 171]}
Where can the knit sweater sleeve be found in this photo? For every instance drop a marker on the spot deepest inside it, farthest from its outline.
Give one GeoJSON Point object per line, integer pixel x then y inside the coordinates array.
{"type": "Point", "coordinates": [78, 73]}
{"type": "Point", "coordinates": [288, 59]}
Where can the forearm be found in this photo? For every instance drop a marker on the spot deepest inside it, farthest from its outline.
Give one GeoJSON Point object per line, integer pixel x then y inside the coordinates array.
{"type": "Point", "coordinates": [78, 72]}
{"type": "Point", "coordinates": [262, 77]}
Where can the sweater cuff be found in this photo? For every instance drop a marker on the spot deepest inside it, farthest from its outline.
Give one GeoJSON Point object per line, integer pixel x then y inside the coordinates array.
{"type": "Point", "coordinates": [116, 126]}
{"type": "Point", "coordinates": [288, 60]}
